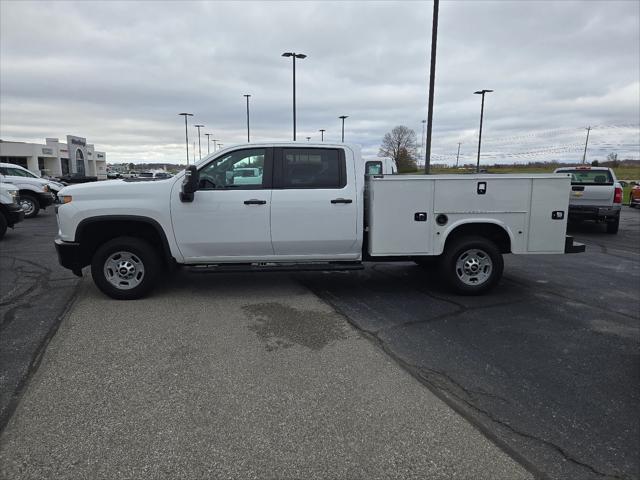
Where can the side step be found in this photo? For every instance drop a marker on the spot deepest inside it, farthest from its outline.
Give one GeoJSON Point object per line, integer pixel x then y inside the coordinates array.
{"type": "Point", "coordinates": [573, 247]}
{"type": "Point", "coordinates": [274, 267]}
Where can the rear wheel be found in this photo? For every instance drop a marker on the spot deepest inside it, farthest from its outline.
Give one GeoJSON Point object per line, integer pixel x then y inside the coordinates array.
{"type": "Point", "coordinates": [29, 204]}
{"type": "Point", "coordinates": [125, 268]}
{"type": "Point", "coordinates": [472, 265]}
{"type": "Point", "coordinates": [612, 227]}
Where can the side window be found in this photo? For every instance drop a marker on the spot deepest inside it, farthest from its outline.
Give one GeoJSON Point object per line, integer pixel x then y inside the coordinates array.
{"type": "Point", "coordinates": [313, 168]}
{"type": "Point", "coordinates": [240, 169]}
{"type": "Point", "coordinates": [373, 167]}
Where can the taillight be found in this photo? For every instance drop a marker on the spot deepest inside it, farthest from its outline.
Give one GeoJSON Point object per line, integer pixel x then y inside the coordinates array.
{"type": "Point", "coordinates": [617, 197]}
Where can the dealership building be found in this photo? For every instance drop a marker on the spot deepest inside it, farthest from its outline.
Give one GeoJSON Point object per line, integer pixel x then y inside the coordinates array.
{"type": "Point", "coordinates": [55, 159]}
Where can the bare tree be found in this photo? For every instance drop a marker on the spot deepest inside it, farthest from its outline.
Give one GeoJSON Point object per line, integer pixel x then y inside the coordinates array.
{"type": "Point", "coordinates": [400, 145]}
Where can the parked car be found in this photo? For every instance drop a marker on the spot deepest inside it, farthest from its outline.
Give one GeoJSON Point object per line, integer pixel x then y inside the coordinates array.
{"type": "Point", "coordinates": [308, 211]}
{"type": "Point", "coordinates": [11, 211]}
{"type": "Point", "coordinates": [596, 195]}
{"type": "Point", "coordinates": [634, 196]}
{"type": "Point", "coordinates": [35, 192]}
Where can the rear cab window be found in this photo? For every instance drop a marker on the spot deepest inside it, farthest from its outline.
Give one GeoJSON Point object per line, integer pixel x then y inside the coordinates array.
{"type": "Point", "coordinates": [589, 177]}
{"type": "Point", "coordinates": [301, 168]}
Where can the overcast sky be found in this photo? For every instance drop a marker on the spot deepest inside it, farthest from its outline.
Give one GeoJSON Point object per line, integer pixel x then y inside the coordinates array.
{"type": "Point", "coordinates": [118, 73]}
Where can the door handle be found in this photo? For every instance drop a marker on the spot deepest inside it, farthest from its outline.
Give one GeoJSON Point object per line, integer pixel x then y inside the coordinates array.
{"type": "Point", "coordinates": [341, 200]}
{"type": "Point", "coordinates": [577, 189]}
{"type": "Point", "coordinates": [255, 201]}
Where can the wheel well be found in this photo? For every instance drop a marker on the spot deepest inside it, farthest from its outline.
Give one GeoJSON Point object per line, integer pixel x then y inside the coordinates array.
{"type": "Point", "coordinates": [24, 192]}
{"type": "Point", "coordinates": [90, 235]}
{"type": "Point", "coordinates": [491, 231]}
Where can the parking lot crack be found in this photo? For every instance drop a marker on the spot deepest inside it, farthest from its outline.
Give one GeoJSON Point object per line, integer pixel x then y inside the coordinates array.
{"type": "Point", "coordinates": [428, 377]}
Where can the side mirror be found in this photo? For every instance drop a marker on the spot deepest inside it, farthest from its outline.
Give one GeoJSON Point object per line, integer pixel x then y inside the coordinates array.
{"type": "Point", "coordinates": [189, 184]}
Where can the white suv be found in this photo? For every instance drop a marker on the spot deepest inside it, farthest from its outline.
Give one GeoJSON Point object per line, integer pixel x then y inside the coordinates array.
{"type": "Point", "coordinates": [35, 192]}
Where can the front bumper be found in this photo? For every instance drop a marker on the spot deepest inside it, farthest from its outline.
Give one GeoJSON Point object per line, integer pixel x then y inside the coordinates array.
{"type": "Point", "coordinates": [13, 213]}
{"type": "Point", "coordinates": [579, 212]}
{"type": "Point", "coordinates": [69, 255]}
{"type": "Point", "coordinates": [45, 199]}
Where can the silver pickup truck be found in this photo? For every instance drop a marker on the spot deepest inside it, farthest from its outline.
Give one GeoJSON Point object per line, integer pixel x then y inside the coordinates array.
{"type": "Point", "coordinates": [595, 195]}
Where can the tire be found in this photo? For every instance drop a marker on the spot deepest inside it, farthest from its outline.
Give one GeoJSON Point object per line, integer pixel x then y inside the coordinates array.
{"type": "Point", "coordinates": [125, 268]}
{"type": "Point", "coordinates": [30, 205]}
{"type": "Point", "coordinates": [612, 227]}
{"type": "Point", "coordinates": [472, 265]}
{"type": "Point", "coordinates": [3, 225]}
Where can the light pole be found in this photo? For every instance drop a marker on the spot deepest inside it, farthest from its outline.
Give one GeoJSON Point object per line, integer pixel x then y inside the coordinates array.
{"type": "Point", "coordinates": [199, 147]}
{"type": "Point", "coordinates": [422, 141]}
{"type": "Point", "coordinates": [186, 132]}
{"type": "Point", "coordinates": [308, 139]}
{"type": "Point", "coordinates": [294, 55]}
{"type": "Point", "coordinates": [343, 117]}
{"type": "Point", "coordinates": [322, 130]}
{"type": "Point", "coordinates": [480, 92]}
{"type": "Point", "coordinates": [432, 81]}
{"type": "Point", "coordinates": [214, 144]}
{"type": "Point", "coordinates": [458, 156]}
{"type": "Point", "coordinates": [208, 135]}
{"type": "Point", "coordinates": [248, 138]}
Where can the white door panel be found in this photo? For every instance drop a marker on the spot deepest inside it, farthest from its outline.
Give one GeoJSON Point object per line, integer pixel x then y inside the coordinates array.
{"type": "Point", "coordinates": [220, 224]}
{"type": "Point", "coordinates": [306, 222]}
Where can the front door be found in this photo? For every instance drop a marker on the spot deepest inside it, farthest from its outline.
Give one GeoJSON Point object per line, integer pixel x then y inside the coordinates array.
{"type": "Point", "coordinates": [228, 220]}
{"type": "Point", "coordinates": [314, 205]}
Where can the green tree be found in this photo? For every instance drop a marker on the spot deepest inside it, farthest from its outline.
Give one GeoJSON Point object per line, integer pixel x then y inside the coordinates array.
{"type": "Point", "coordinates": [400, 145]}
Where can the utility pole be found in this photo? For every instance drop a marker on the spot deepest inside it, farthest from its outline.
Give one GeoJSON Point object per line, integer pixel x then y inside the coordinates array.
{"type": "Point", "coordinates": [422, 141]}
{"type": "Point", "coordinates": [584, 155]}
{"type": "Point", "coordinates": [458, 156]}
{"type": "Point", "coordinates": [432, 81]}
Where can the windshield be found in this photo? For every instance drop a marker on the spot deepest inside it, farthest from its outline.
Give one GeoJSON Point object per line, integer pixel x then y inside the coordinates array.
{"type": "Point", "coordinates": [589, 177]}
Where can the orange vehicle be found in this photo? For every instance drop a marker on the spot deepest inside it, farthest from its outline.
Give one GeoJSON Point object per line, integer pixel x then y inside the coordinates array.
{"type": "Point", "coordinates": [634, 196]}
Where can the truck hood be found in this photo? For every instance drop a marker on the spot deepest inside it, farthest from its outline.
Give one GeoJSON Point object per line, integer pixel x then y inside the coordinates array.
{"type": "Point", "coordinates": [108, 189]}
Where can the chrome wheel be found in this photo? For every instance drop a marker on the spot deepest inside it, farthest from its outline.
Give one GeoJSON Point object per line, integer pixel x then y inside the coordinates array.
{"type": "Point", "coordinates": [124, 270]}
{"type": "Point", "coordinates": [28, 206]}
{"type": "Point", "coordinates": [474, 267]}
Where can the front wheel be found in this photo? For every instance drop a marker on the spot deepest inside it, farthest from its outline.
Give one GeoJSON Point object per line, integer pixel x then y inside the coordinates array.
{"type": "Point", "coordinates": [125, 268]}
{"type": "Point", "coordinates": [29, 204]}
{"type": "Point", "coordinates": [472, 265]}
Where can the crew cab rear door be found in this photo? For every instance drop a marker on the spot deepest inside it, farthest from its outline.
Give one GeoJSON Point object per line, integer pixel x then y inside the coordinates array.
{"type": "Point", "coordinates": [314, 204]}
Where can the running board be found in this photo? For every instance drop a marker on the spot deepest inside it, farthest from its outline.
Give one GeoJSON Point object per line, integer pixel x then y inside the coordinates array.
{"type": "Point", "coordinates": [571, 246]}
{"type": "Point", "coordinates": [274, 267]}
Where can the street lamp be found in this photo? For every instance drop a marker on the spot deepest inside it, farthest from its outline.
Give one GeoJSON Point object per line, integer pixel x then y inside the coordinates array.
{"type": "Point", "coordinates": [343, 117]}
{"type": "Point", "coordinates": [208, 135]}
{"type": "Point", "coordinates": [186, 132]}
{"type": "Point", "coordinates": [294, 55]}
{"type": "Point", "coordinates": [199, 148]}
{"type": "Point", "coordinates": [308, 139]}
{"type": "Point", "coordinates": [214, 144]}
{"type": "Point", "coordinates": [322, 130]}
{"type": "Point", "coordinates": [480, 92]}
{"type": "Point", "coordinates": [247, 97]}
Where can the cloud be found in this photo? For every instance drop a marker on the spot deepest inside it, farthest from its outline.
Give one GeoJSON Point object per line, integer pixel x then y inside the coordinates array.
{"type": "Point", "coordinates": [119, 72]}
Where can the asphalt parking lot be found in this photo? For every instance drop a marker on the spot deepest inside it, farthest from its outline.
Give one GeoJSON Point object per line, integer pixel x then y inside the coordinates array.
{"type": "Point", "coordinates": [539, 378]}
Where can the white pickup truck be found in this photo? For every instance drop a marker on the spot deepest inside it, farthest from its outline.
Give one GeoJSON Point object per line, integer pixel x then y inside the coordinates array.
{"type": "Point", "coordinates": [313, 207]}
{"type": "Point", "coordinates": [595, 195]}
